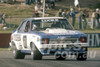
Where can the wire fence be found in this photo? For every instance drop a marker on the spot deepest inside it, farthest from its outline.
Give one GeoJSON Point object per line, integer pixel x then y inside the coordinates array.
{"type": "Point", "coordinates": [18, 20]}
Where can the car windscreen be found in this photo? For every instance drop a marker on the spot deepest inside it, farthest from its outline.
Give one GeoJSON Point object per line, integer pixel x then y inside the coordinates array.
{"type": "Point", "coordinates": [50, 23]}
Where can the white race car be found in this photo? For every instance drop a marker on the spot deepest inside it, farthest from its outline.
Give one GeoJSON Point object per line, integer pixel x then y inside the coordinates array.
{"type": "Point", "coordinates": [48, 36]}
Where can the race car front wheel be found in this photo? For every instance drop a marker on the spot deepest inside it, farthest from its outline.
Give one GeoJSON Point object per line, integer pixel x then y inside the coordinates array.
{"type": "Point", "coordinates": [17, 53]}
{"type": "Point", "coordinates": [36, 55]}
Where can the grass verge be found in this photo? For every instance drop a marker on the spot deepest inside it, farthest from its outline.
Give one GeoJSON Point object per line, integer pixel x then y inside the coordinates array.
{"type": "Point", "coordinates": [4, 49]}
{"type": "Point", "coordinates": [8, 49]}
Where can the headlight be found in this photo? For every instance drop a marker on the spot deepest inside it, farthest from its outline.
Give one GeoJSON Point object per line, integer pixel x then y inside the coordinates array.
{"type": "Point", "coordinates": [83, 39]}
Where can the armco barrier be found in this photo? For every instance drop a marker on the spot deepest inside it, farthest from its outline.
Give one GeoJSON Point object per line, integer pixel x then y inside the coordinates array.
{"type": "Point", "coordinates": [92, 38]}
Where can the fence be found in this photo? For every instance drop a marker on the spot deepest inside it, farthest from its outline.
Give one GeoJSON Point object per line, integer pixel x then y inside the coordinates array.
{"type": "Point", "coordinates": [17, 21]}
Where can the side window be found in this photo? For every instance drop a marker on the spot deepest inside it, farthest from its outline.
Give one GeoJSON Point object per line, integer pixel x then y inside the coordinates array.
{"type": "Point", "coordinates": [22, 27]}
{"type": "Point", "coordinates": [27, 27]}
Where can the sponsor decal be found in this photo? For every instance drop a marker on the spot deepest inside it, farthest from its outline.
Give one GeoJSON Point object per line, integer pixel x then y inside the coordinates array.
{"type": "Point", "coordinates": [93, 40]}
{"type": "Point", "coordinates": [64, 54]}
{"type": "Point", "coordinates": [49, 20]}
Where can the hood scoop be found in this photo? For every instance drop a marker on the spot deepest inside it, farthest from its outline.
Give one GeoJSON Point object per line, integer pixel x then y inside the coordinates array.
{"type": "Point", "coordinates": [59, 31]}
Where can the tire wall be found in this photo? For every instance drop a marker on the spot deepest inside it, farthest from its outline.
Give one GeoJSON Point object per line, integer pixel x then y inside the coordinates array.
{"type": "Point", "coordinates": [4, 40]}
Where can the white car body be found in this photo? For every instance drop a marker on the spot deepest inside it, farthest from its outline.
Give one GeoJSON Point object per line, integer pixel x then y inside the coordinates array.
{"type": "Point", "coordinates": [57, 37]}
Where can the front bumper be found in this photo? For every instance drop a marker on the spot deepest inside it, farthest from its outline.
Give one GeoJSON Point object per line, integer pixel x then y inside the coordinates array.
{"type": "Point", "coordinates": [70, 48]}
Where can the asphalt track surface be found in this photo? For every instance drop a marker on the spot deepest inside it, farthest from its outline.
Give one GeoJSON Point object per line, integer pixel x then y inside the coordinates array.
{"type": "Point", "coordinates": [6, 60]}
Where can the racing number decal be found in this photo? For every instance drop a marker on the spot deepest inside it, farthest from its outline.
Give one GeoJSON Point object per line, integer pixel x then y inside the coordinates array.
{"type": "Point", "coordinates": [25, 41]}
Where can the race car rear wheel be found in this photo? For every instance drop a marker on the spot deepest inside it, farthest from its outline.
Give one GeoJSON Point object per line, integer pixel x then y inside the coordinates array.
{"type": "Point", "coordinates": [36, 55]}
{"type": "Point", "coordinates": [82, 56]}
{"type": "Point", "coordinates": [17, 53]}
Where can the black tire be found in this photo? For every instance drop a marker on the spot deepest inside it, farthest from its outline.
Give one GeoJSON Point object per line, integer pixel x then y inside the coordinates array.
{"type": "Point", "coordinates": [82, 57]}
{"type": "Point", "coordinates": [59, 57]}
{"type": "Point", "coordinates": [36, 54]}
{"type": "Point", "coordinates": [17, 54]}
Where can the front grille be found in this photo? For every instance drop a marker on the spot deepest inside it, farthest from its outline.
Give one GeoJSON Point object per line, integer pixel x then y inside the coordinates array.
{"type": "Point", "coordinates": [63, 41]}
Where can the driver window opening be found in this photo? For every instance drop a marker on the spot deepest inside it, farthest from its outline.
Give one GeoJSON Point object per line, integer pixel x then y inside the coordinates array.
{"type": "Point", "coordinates": [27, 28]}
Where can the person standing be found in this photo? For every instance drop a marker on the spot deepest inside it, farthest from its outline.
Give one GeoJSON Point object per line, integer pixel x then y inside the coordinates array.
{"type": "Point", "coordinates": [38, 1]}
{"type": "Point", "coordinates": [73, 15]}
{"type": "Point", "coordinates": [27, 2]}
{"type": "Point", "coordinates": [42, 2]}
{"type": "Point", "coordinates": [59, 13]}
{"type": "Point", "coordinates": [32, 1]}
{"type": "Point", "coordinates": [1, 22]}
{"type": "Point", "coordinates": [35, 14]}
{"type": "Point", "coordinates": [93, 20]}
{"type": "Point", "coordinates": [82, 22]}
{"type": "Point", "coordinates": [52, 2]}
{"type": "Point", "coordinates": [48, 4]}
{"type": "Point", "coordinates": [38, 9]}
{"type": "Point", "coordinates": [97, 17]}
{"type": "Point", "coordinates": [64, 13]}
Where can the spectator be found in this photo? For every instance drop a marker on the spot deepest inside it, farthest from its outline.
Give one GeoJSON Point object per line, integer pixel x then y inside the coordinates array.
{"type": "Point", "coordinates": [52, 3]}
{"type": "Point", "coordinates": [36, 14]}
{"type": "Point", "coordinates": [27, 2]}
{"type": "Point", "coordinates": [38, 8]}
{"type": "Point", "coordinates": [1, 21]}
{"type": "Point", "coordinates": [93, 20]}
{"type": "Point", "coordinates": [64, 13]}
{"type": "Point", "coordinates": [82, 23]}
{"type": "Point", "coordinates": [38, 1]}
{"type": "Point", "coordinates": [47, 3]}
{"type": "Point", "coordinates": [73, 15]}
{"type": "Point", "coordinates": [2, 18]}
{"type": "Point", "coordinates": [42, 2]}
{"type": "Point", "coordinates": [97, 17]}
{"type": "Point", "coordinates": [59, 13]}
{"type": "Point", "coordinates": [87, 13]}
{"type": "Point", "coordinates": [32, 1]}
